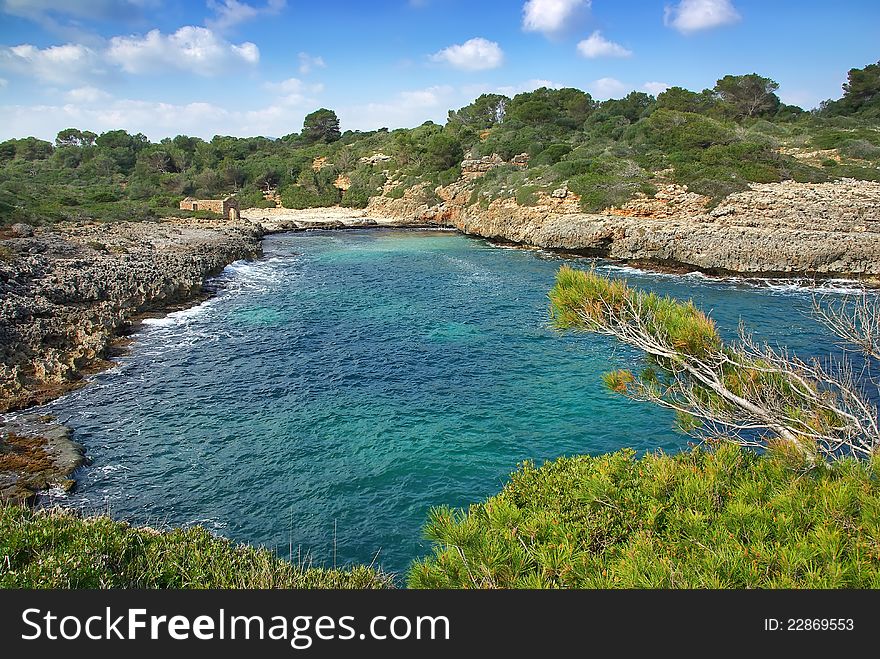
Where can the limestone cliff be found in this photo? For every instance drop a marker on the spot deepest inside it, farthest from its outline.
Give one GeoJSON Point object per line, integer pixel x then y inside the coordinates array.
{"type": "Point", "coordinates": [65, 293]}
{"type": "Point", "coordinates": [777, 228]}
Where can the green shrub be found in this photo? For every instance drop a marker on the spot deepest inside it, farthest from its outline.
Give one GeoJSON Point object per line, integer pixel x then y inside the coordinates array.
{"type": "Point", "coordinates": [682, 131]}
{"type": "Point", "coordinates": [448, 176]}
{"type": "Point", "coordinates": [829, 162]}
{"type": "Point", "coordinates": [862, 149]}
{"type": "Point", "coordinates": [856, 172]}
{"type": "Point", "coordinates": [299, 197]}
{"type": "Point", "coordinates": [719, 518]}
{"type": "Point", "coordinates": [59, 549]}
{"type": "Point", "coordinates": [609, 182]}
{"type": "Point", "coordinates": [569, 168]}
{"type": "Point", "coordinates": [525, 196]}
{"type": "Point", "coordinates": [551, 155]}
{"type": "Point", "coordinates": [357, 196]}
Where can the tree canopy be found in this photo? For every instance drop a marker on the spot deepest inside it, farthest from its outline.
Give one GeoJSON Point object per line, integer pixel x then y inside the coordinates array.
{"type": "Point", "coordinates": [862, 87]}
{"type": "Point", "coordinates": [748, 95]}
{"type": "Point", "coordinates": [321, 126]}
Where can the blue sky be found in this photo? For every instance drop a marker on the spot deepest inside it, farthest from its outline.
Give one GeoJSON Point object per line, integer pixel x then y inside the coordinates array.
{"type": "Point", "coordinates": [256, 67]}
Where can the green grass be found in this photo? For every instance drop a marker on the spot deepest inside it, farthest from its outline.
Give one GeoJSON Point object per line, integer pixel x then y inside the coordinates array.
{"type": "Point", "coordinates": [718, 518]}
{"type": "Point", "coordinates": [59, 549]}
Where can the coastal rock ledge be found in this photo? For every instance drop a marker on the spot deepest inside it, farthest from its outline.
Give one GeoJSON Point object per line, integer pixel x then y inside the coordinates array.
{"type": "Point", "coordinates": [68, 292]}
{"type": "Point", "coordinates": [788, 228]}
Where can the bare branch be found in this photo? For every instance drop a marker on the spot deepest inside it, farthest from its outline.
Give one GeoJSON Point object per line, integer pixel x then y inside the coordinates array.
{"type": "Point", "coordinates": [855, 321]}
{"type": "Point", "coordinates": [747, 392]}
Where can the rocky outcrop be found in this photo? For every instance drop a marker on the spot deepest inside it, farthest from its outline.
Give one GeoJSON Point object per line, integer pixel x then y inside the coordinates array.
{"type": "Point", "coordinates": [277, 220]}
{"type": "Point", "coordinates": [375, 159]}
{"type": "Point", "coordinates": [36, 454]}
{"type": "Point", "coordinates": [771, 229]}
{"type": "Point", "coordinates": [65, 293]}
{"type": "Point", "coordinates": [472, 168]}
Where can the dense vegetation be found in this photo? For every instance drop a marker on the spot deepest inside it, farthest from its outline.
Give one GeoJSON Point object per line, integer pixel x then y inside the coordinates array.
{"type": "Point", "coordinates": [715, 141]}
{"type": "Point", "coordinates": [720, 518]}
{"type": "Point", "coordinates": [802, 513]}
{"type": "Point", "coordinates": [58, 549]}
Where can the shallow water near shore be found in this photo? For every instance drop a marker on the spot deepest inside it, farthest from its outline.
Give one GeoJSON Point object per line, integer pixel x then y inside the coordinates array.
{"type": "Point", "coordinates": [335, 390]}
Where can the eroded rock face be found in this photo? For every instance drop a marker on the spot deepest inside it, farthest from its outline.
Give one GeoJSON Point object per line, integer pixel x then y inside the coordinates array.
{"type": "Point", "coordinates": [774, 228]}
{"type": "Point", "coordinates": [65, 293]}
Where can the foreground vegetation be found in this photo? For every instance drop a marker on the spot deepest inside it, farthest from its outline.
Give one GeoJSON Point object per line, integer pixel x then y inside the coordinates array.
{"type": "Point", "coordinates": [742, 390]}
{"type": "Point", "coordinates": [59, 549]}
{"type": "Point", "coordinates": [718, 518]}
{"type": "Point", "coordinates": [716, 141]}
{"type": "Point", "coordinates": [802, 513]}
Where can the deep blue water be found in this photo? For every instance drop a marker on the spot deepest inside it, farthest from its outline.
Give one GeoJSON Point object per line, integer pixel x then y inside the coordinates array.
{"type": "Point", "coordinates": [357, 378]}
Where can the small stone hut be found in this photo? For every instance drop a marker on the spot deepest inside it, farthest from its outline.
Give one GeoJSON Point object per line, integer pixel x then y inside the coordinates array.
{"type": "Point", "coordinates": [228, 207]}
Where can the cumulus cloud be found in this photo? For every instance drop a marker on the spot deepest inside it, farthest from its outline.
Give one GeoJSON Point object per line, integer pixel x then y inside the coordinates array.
{"type": "Point", "coordinates": [69, 18]}
{"type": "Point", "coordinates": [232, 12]}
{"type": "Point", "coordinates": [87, 95]}
{"type": "Point", "coordinates": [154, 119]}
{"type": "Point", "coordinates": [607, 88]}
{"type": "Point", "coordinates": [294, 91]}
{"type": "Point", "coordinates": [598, 46]}
{"type": "Point", "coordinates": [53, 64]}
{"type": "Point", "coordinates": [88, 9]}
{"type": "Point", "coordinates": [195, 49]}
{"type": "Point", "coordinates": [470, 92]}
{"type": "Point", "coordinates": [551, 16]}
{"type": "Point", "coordinates": [694, 15]}
{"type": "Point", "coordinates": [476, 54]}
{"type": "Point", "coordinates": [307, 63]}
{"type": "Point", "coordinates": [655, 88]}
{"type": "Point", "coordinates": [404, 109]}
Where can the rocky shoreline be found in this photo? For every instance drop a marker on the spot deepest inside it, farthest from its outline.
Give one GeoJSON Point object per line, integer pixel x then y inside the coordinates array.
{"type": "Point", "coordinates": [66, 295]}
{"type": "Point", "coordinates": [775, 229]}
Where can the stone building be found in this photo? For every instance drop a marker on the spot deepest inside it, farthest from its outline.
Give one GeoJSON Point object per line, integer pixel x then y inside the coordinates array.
{"type": "Point", "coordinates": [228, 207]}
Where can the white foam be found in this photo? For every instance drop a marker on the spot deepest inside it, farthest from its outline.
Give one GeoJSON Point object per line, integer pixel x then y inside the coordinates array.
{"type": "Point", "coordinates": [251, 276]}
{"type": "Point", "coordinates": [792, 285]}
{"type": "Point", "coordinates": [109, 469]}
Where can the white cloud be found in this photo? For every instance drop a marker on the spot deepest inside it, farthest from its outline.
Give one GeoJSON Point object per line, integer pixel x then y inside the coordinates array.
{"type": "Point", "coordinates": [154, 119]}
{"type": "Point", "coordinates": [551, 16]}
{"type": "Point", "coordinates": [655, 88]}
{"type": "Point", "coordinates": [470, 92]}
{"type": "Point", "coordinates": [598, 46]}
{"type": "Point", "coordinates": [53, 64]}
{"type": "Point", "coordinates": [404, 109]}
{"type": "Point", "coordinates": [604, 88]}
{"type": "Point", "coordinates": [70, 18]}
{"type": "Point", "coordinates": [3, 83]}
{"type": "Point", "coordinates": [307, 63]}
{"type": "Point", "coordinates": [476, 54]}
{"type": "Point", "coordinates": [89, 9]}
{"type": "Point", "coordinates": [193, 49]}
{"type": "Point", "coordinates": [87, 95]}
{"type": "Point", "coordinates": [294, 91]}
{"type": "Point", "coordinates": [232, 12]}
{"type": "Point", "coordinates": [693, 15]}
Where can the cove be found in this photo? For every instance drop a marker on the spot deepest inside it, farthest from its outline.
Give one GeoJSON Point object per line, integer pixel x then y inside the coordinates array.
{"type": "Point", "coordinates": [332, 392]}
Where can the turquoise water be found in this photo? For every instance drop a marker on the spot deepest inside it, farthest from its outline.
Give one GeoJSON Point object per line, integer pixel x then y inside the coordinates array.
{"type": "Point", "coordinates": [352, 380]}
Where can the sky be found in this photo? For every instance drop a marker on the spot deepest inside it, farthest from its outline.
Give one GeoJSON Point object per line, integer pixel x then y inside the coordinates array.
{"type": "Point", "coordinates": [257, 67]}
